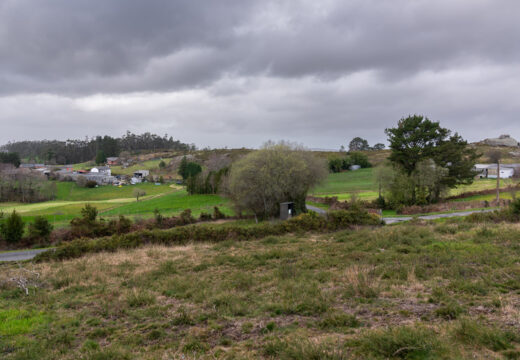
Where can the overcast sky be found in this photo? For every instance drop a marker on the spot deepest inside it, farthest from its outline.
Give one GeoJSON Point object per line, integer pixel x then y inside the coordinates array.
{"type": "Point", "coordinates": [237, 72]}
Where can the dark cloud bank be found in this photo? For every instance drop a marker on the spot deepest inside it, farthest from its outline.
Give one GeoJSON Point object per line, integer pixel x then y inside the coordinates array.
{"type": "Point", "coordinates": [236, 72]}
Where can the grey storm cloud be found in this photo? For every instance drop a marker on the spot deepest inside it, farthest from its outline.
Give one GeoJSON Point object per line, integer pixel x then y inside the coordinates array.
{"type": "Point", "coordinates": [320, 72]}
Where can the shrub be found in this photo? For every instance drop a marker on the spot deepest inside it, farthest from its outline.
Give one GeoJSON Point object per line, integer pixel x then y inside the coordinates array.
{"type": "Point", "coordinates": [335, 165]}
{"type": "Point", "coordinates": [503, 215]}
{"type": "Point", "coordinates": [340, 219]}
{"type": "Point", "coordinates": [40, 229]}
{"type": "Point", "coordinates": [89, 213]}
{"type": "Point", "coordinates": [158, 217]}
{"type": "Point", "coordinates": [217, 214]}
{"type": "Point", "coordinates": [358, 158]}
{"type": "Point", "coordinates": [204, 216]}
{"type": "Point", "coordinates": [90, 184]}
{"type": "Point", "coordinates": [12, 227]}
{"type": "Point", "coordinates": [343, 219]}
{"type": "Point", "coordinates": [380, 202]}
{"type": "Point", "coordinates": [123, 225]}
{"type": "Point", "coordinates": [186, 217]}
{"type": "Point", "coordinates": [515, 207]}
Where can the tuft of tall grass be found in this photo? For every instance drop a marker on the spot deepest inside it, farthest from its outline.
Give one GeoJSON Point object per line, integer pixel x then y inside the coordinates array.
{"type": "Point", "coordinates": [402, 342]}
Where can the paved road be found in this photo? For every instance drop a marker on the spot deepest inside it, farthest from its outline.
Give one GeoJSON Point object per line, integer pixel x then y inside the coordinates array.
{"type": "Point", "coordinates": [20, 255]}
{"type": "Point", "coordinates": [393, 220]}
{"type": "Point", "coordinates": [316, 209]}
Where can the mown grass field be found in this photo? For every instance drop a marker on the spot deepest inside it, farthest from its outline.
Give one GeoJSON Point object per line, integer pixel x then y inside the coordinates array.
{"type": "Point", "coordinates": [361, 181]}
{"type": "Point", "coordinates": [69, 191]}
{"type": "Point", "coordinates": [445, 291]}
{"type": "Point", "coordinates": [114, 201]}
{"type": "Point", "coordinates": [363, 184]}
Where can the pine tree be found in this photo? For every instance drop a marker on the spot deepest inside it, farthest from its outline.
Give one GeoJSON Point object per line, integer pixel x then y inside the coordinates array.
{"type": "Point", "coordinates": [183, 167]}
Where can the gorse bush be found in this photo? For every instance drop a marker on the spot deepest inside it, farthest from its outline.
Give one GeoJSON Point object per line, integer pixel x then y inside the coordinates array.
{"type": "Point", "coordinates": [89, 213]}
{"type": "Point", "coordinates": [12, 227]}
{"type": "Point", "coordinates": [336, 220]}
{"type": "Point", "coordinates": [510, 214]}
{"type": "Point", "coordinates": [217, 214]}
{"type": "Point", "coordinates": [40, 229]}
{"type": "Point", "coordinates": [515, 207]}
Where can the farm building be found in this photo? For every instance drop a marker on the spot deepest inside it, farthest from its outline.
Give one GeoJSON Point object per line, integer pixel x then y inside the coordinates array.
{"type": "Point", "coordinates": [105, 170]}
{"type": "Point", "coordinates": [505, 173]}
{"type": "Point", "coordinates": [112, 160]}
{"type": "Point", "coordinates": [489, 171]}
{"type": "Point", "coordinates": [139, 176]}
{"type": "Point", "coordinates": [100, 179]}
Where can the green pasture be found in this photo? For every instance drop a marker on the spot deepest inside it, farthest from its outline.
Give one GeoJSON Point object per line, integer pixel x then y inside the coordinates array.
{"type": "Point", "coordinates": [69, 191]}
{"type": "Point", "coordinates": [363, 184]}
{"type": "Point", "coordinates": [482, 184]}
{"type": "Point", "coordinates": [359, 181]}
{"type": "Point", "coordinates": [171, 204]}
{"type": "Point", "coordinates": [114, 201]}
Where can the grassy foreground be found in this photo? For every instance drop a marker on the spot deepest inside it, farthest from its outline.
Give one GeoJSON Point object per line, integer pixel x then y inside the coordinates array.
{"type": "Point", "coordinates": [410, 291]}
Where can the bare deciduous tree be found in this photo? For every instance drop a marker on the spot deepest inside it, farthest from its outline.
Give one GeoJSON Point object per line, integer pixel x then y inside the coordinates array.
{"type": "Point", "coordinates": [276, 173]}
{"type": "Point", "coordinates": [139, 193]}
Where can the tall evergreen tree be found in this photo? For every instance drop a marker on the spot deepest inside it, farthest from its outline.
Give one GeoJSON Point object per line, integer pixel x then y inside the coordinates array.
{"type": "Point", "coordinates": [101, 158]}
{"type": "Point", "coordinates": [417, 139]}
{"type": "Point", "coordinates": [183, 168]}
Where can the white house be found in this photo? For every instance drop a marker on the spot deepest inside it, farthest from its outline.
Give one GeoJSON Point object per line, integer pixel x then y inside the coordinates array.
{"type": "Point", "coordinates": [141, 173]}
{"type": "Point", "coordinates": [489, 171]}
{"type": "Point", "coordinates": [139, 176]}
{"type": "Point", "coordinates": [505, 173]}
{"type": "Point", "coordinates": [105, 170]}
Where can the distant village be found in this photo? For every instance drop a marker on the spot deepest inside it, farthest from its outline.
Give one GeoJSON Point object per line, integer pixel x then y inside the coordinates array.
{"type": "Point", "coordinates": [101, 175]}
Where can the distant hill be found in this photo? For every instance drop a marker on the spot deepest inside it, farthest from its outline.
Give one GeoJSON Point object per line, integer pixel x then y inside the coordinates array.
{"type": "Point", "coordinates": [502, 140]}
{"type": "Point", "coordinates": [78, 151]}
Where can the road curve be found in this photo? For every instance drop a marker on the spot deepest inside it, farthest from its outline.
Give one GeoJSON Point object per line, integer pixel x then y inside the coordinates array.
{"type": "Point", "coordinates": [394, 220]}
{"type": "Point", "coordinates": [316, 209]}
{"type": "Point", "coordinates": [20, 255]}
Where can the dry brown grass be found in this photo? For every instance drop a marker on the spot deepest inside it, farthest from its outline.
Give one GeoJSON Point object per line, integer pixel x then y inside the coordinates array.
{"type": "Point", "coordinates": [235, 299]}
